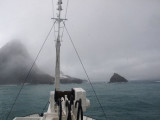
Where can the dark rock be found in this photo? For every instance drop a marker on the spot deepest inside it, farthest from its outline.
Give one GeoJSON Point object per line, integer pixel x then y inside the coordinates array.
{"type": "Point", "coordinates": [117, 78]}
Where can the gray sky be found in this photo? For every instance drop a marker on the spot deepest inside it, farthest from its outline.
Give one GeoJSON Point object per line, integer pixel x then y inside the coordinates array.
{"type": "Point", "coordinates": [120, 36]}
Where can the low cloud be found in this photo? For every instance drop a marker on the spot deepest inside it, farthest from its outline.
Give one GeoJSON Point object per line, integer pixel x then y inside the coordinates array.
{"type": "Point", "coordinates": [111, 36]}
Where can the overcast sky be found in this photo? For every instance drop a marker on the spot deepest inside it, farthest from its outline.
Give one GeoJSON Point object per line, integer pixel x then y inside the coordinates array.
{"type": "Point", "coordinates": [121, 36]}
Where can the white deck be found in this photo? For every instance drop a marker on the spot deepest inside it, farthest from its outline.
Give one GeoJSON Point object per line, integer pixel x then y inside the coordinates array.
{"type": "Point", "coordinates": [36, 117]}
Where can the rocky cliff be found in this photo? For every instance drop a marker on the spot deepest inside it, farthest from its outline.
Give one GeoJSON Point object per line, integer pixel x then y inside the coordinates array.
{"type": "Point", "coordinates": [15, 63]}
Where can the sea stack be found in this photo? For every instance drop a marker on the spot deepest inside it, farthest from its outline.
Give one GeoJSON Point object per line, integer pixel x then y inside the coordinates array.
{"type": "Point", "coordinates": [117, 78]}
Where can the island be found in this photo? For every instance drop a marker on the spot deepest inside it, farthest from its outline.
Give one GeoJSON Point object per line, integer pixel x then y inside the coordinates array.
{"type": "Point", "coordinates": [117, 78]}
{"type": "Point", "coordinates": [15, 63]}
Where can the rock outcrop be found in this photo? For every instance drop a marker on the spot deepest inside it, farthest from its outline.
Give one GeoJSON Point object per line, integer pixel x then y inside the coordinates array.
{"type": "Point", "coordinates": [117, 78]}
{"type": "Point", "coordinates": [15, 63]}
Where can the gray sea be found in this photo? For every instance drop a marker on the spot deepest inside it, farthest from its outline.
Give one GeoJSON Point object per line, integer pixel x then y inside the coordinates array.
{"type": "Point", "coordinates": [121, 101]}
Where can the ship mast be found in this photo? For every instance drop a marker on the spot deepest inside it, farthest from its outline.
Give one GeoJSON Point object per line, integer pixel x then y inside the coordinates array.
{"type": "Point", "coordinates": [63, 105]}
{"type": "Point", "coordinates": [58, 44]}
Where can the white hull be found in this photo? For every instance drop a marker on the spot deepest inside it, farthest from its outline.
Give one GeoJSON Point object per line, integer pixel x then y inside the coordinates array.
{"type": "Point", "coordinates": [37, 117]}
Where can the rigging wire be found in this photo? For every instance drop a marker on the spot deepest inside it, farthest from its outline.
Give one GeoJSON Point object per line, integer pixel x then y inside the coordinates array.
{"type": "Point", "coordinates": [53, 8]}
{"type": "Point", "coordinates": [66, 9]}
{"type": "Point", "coordinates": [62, 33]}
{"type": "Point", "coordinates": [45, 107]}
{"type": "Point", "coordinates": [85, 70]}
{"type": "Point", "coordinates": [53, 17]}
{"type": "Point", "coordinates": [55, 39]}
{"type": "Point", "coordinates": [55, 32]}
{"type": "Point", "coordinates": [29, 72]}
{"type": "Point", "coordinates": [65, 18]}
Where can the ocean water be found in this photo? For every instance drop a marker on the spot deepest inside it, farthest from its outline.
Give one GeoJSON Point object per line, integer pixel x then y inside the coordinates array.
{"type": "Point", "coordinates": [121, 101]}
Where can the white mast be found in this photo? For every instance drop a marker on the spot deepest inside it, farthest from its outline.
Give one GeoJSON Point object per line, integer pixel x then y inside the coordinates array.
{"type": "Point", "coordinates": [58, 44]}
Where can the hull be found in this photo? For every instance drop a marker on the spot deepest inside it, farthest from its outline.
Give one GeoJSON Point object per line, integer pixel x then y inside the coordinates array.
{"type": "Point", "coordinates": [38, 117]}
{"type": "Point", "coordinates": [65, 108]}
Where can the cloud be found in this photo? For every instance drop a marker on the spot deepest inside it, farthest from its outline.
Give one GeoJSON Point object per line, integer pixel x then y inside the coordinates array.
{"type": "Point", "coordinates": [111, 36]}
